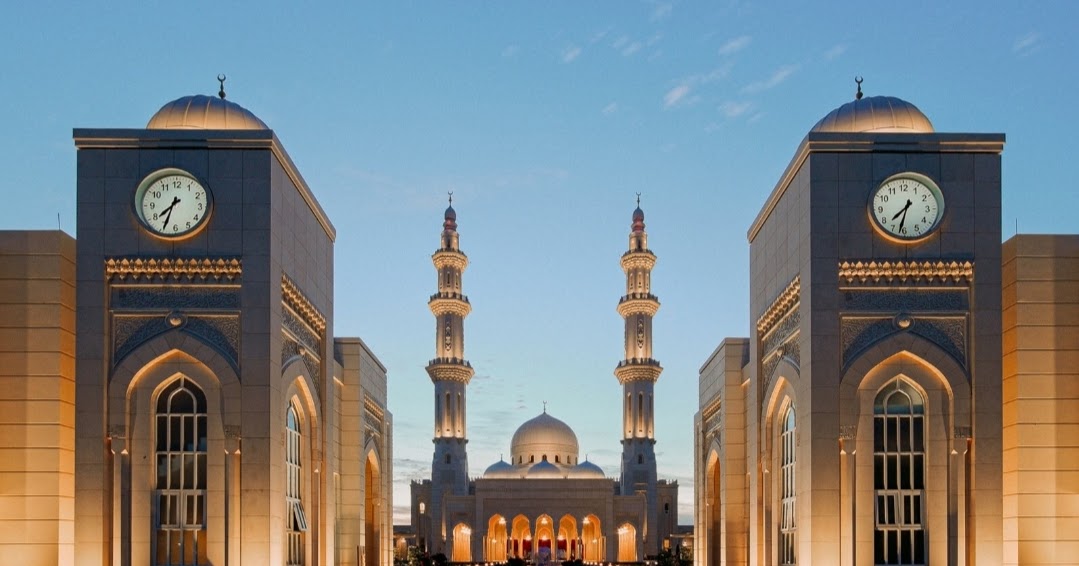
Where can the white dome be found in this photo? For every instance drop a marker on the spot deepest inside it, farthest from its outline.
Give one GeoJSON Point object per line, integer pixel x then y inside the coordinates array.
{"type": "Point", "coordinates": [200, 112]}
{"type": "Point", "coordinates": [877, 114]}
{"type": "Point", "coordinates": [545, 470]}
{"type": "Point", "coordinates": [544, 438]}
{"type": "Point", "coordinates": [586, 470]}
{"type": "Point", "coordinates": [501, 469]}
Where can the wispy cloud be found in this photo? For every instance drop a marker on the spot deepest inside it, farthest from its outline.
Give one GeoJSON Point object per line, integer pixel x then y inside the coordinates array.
{"type": "Point", "coordinates": [510, 51]}
{"type": "Point", "coordinates": [661, 11]}
{"type": "Point", "coordinates": [631, 48]}
{"type": "Point", "coordinates": [733, 109]}
{"type": "Point", "coordinates": [610, 109]}
{"type": "Point", "coordinates": [676, 95]}
{"type": "Point", "coordinates": [735, 45]}
{"type": "Point", "coordinates": [570, 53]}
{"type": "Point", "coordinates": [781, 74]}
{"type": "Point", "coordinates": [835, 52]}
{"type": "Point", "coordinates": [1027, 44]}
{"type": "Point", "coordinates": [598, 36]}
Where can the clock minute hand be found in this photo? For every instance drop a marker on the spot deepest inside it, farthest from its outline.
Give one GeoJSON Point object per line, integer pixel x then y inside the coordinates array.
{"type": "Point", "coordinates": [898, 213]}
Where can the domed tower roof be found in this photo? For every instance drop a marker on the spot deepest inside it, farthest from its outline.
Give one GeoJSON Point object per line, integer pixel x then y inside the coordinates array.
{"type": "Point", "coordinates": [199, 112]}
{"type": "Point", "coordinates": [876, 114]}
{"type": "Point", "coordinates": [638, 216]}
{"type": "Point", "coordinates": [545, 470]}
{"type": "Point", "coordinates": [586, 470]}
{"type": "Point", "coordinates": [501, 469]}
{"type": "Point", "coordinates": [451, 216]}
{"type": "Point", "coordinates": [542, 436]}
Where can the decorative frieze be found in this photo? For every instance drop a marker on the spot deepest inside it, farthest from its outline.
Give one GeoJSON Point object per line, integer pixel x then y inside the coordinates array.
{"type": "Point", "coordinates": [857, 333]}
{"type": "Point", "coordinates": [173, 269]}
{"type": "Point", "coordinates": [906, 272]}
{"type": "Point", "coordinates": [785, 302]}
{"type": "Point", "coordinates": [298, 302]}
{"type": "Point", "coordinates": [220, 331]}
{"type": "Point", "coordinates": [905, 300]}
{"type": "Point", "coordinates": [202, 297]}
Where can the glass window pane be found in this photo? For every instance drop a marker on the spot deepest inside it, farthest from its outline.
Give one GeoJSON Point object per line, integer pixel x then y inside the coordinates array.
{"type": "Point", "coordinates": [189, 471]}
{"type": "Point", "coordinates": [201, 540]}
{"type": "Point", "coordinates": [919, 434]}
{"type": "Point", "coordinates": [200, 481]}
{"type": "Point", "coordinates": [189, 547]}
{"type": "Point", "coordinates": [162, 547]}
{"type": "Point", "coordinates": [904, 472]}
{"type": "Point", "coordinates": [904, 434]}
{"type": "Point", "coordinates": [919, 471]}
{"type": "Point", "coordinates": [182, 402]}
{"type": "Point", "coordinates": [189, 433]}
{"type": "Point", "coordinates": [890, 433]}
{"type": "Point", "coordinates": [878, 472]}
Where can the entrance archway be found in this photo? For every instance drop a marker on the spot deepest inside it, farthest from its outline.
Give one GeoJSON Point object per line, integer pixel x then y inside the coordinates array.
{"type": "Point", "coordinates": [566, 545]}
{"type": "Point", "coordinates": [715, 539]}
{"type": "Point", "coordinates": [627, 543]}
{"type": "Point", "coordinates": [372, 501]}
{"type": "Point", "coordinates": [521, 535]}
{"type": "Point", "coordinates": [498, 540]}
{"type": "Point", "coordinates": [545, 537]}
{"type": "Point", "coordinates": [462, 543]}
{"type": "Point", "coordinates": [592, 539]}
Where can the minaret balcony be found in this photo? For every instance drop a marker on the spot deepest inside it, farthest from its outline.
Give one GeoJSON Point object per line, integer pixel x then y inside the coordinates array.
{"type": "Point", "coordinates": [638, 369]}
{"type": "Point", "coordinates": [448, 257]}
{"type": "Point", "coordinates": [450, 369]}
{"type": "Point", "coordinates": [638, 303]}
{"type": "Point", "coordinates": [449, 303]}
{"type": "Point", "coordinates": [638, 259]}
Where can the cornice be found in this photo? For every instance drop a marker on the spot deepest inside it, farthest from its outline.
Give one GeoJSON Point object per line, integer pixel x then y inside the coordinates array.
{"type": "Point", "coordinates": [779, 307]}
{"type": "Point", "coordinates": [451, 258]}
{"type": "Point", "coordinates": [450, 369]}
{"type": "Point", "coordinates": [443, 304]}
{"type": "Point", "coordinates": [638, 369]}
{"type": "Point", "coordinates": [297, 301]}
{"type": "Point", "coordinates": [906, 272]}
{"type": "Point", "coordinates": [638, 260]}
{"type": "Point", "coordinates": [174, 269]}
{"type": "Point", "coordinates": [638, 303]}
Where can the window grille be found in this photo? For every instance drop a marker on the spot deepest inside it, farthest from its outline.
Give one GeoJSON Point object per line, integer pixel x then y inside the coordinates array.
{"type": "Point", "coordinates": [899, 476]}
{"type": "Point", "coordinates": [179, 501]}
{"type": "Point", "coordinates": [295, 518]}
{"type": "Point", "coordinates": [787, 521]}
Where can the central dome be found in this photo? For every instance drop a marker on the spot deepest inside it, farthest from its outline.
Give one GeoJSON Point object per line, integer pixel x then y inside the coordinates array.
{"type": "Point", "coordinates": [199, 112]}
{"type": "Point", "coordinates": [544, 438]}
{"type": "Point", "coordinates": [876, 114]}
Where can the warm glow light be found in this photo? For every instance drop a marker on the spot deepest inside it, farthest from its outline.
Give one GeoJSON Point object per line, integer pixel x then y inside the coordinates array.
{"type": "Point", "coordinates": [502, 521]}
{"type": "Point", "coordinates": [466, 531]}
{"type": "Point", "coordinates": [586, 521]}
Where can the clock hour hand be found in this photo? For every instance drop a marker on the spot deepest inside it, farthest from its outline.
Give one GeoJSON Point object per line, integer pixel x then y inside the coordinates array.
{"type": "Point", "coordinates": [168, 211]}
{"type": "Point", "coordinates": [903, 211]}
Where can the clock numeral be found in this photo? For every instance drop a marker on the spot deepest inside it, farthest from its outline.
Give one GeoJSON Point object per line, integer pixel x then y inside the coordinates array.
{"type": "Point", "coordinates": [175, 227]}
{"type": "Point", "coordinates": [884, 198]}
{"type": "Point", "coordinates": [924, 221]}
{"type": "Point", "coordinates": [925, 197]}
{"type": "Point", "coordinates": [200, 206]}
{"type": "Point", "coordinates": [883, 219]}
{"type": "Point", "coordinates": [152, 205]}
{"type": "Point", "coordinates": [155, 216]}
{"type": "Point", "coordinates": [927, 209]}
{"type": "Point", "coordinates": [189, 225]}
{"type": "Point", "coordinates": [880, 209]}
{"type": "Point", "coordinates": [176, 184]}
{"type": "Point", "coordinates": [157, 194]}
{"type": "Point", "coordinates": [918, 228]}
{"type": "Point", "coordinates": [891, 191]}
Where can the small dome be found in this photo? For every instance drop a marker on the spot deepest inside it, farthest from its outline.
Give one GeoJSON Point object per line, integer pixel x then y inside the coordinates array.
{"type": "Point", "coordinates": [876, 114]}
{"type": "Point", "coordinates": [545, 470]}
{"type": "Point", "coordinates": [585, 470]}
{"type": "Point", "coordinates": [638, 218]}
{"type": "Point", "coordinates": [501, 469]}
{"type": "Point", "coordinates": [451, 214]}
{"type": "Point", "coordinates": [201, 112]}
{"type": "Point", "coordinates": [544, 436]}
{"type": "Point", "coordinates": [638, 214]}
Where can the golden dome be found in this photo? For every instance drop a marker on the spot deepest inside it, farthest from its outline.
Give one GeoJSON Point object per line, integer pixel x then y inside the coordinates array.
{"type": "Point", "coordinates": [876, 114]}
{"type": "Point", "coordinates": [544, 436]}
{"type": "Point", "coordinates": [199, 112]}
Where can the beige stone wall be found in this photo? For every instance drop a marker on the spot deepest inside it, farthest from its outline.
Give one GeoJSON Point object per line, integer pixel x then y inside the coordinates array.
{"type": "Point", "coordinates": [37, 397]}
{"type": "Point", "coordinates": [1041, 399]}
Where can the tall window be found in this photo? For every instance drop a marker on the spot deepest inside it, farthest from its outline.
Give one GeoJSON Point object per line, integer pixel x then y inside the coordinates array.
{"type": "Point", "coordinates": [295, 518]}
{"type": "Point", "coordinates": [180, 498]}
{"type": "Point", "coordinates": [787, 523]}
{"type": "Point", "coordinates": [899, 475]}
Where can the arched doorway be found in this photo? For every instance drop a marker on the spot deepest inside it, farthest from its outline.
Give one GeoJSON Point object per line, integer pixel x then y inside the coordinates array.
{"type": "Point", "coordinates": [521, 535]}
{"type": "Point", "coordinates": [545, 538]}
{"type": "Point", "coordinates": [566, 547]}
{"type": "Point", "coordinates": [372, 501]}
{"type": "Point", "coordinates": [462, 543]}
{"type": "Point", "coordinates": [592, 539]}
{"type": "Point", "coordinates": [627, 543]}
{"type": "Point", "coordinates": [498, 540]}
{"type": "Point", "coordinates": [715, 530]}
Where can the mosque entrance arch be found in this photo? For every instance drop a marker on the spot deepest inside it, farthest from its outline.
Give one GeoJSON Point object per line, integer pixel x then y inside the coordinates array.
{"type": "Point", "coordinates": [544, 539]}
{"type": "Point", "coordinates": [498, 545]}
{"type": "Point", "coordinates": [567, 547]}
{"type": "Point", "coordinates": [462, 543]}
{"type": "Point", "coordinates": [521, 536]}
{"type": "Point", "coordinates": [627, 543]}
{"type": "Point", "coordinates": [592, 543]}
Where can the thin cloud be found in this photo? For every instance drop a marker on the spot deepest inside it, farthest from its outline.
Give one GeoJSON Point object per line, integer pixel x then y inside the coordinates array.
{"type": "Point", "coordinates": [661, 12]}
{"type": "Point", "coordinates": [621, 42]}
{"type": "Point", "coordinates": [1027, 44]}
{"type": "Point", "coordinates": [510, 51]}
{"type": "Point", "coordinates": [570, 53]}
{"type": "Point", "coordinates": [598, 36]}
{"type": "Point", "coordinates": [733, 109]}
{"type": "Point", "coordinates": [835, 52]}
{"type": "Point", "coordinates": [675, 95]}
{"type": "Point", "coordinates": [777, 78]}
{"type": "Point", "coordinates": [735, 45]}
{"type": "Point", "coordinates": [631, 49]}
{"type": "Point", "coordinates": [610, 109]}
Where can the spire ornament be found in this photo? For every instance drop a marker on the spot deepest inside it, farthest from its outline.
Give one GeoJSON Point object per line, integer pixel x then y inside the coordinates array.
{"type": "Point", "coordinates": [858, 95]}
{"type": "Point", "coordinates": [221, 81]}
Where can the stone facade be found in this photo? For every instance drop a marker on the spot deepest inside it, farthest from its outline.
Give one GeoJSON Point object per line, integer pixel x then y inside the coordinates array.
{"type": "Point", "coordinates": [1041, 399]}
{"type": "Point", "coordinates": [37, 397]}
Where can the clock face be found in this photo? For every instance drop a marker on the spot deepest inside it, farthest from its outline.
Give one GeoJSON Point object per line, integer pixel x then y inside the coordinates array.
{"type": "Point", "coordinates": [907, 206]}
{"type": "Point", "coordinates": [173, 204]}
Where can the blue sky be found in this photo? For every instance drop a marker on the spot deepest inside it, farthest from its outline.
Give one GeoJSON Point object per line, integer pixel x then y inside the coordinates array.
{"type": "Point", "coordinates": [544, 119]}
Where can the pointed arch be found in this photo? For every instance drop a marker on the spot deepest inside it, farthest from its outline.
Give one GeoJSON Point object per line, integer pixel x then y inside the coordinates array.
{"type": "Point", "coordinates": [498, 544]}
{"type": "Point", "coordinates": [462, 543]}
{"type": "Point", "coordinates": [592, 539]}
{"type": "Point", "coordinates": [372, 505]}
{"type": "Point", "coordinates": [627, 542]}
{"type": "Point", "coordinates": [713, 505]}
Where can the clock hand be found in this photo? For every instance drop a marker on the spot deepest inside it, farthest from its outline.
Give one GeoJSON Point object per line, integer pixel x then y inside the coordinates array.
{"type": "Point", "coordinates": [904, 219]}
{"type": "Point", "coordinates": [175, 201]}
{"type": "Point", "coordinates": [903, 212]}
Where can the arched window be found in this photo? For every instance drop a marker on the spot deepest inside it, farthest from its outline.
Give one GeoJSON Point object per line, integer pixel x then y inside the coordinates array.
{"type": "Point", "coordinates": [295, 517]}
{"type": "Point", "coordinates": [787, 492]}
{"type": "Point", "coordinates": [180, 498]}
{"type": "Point", "coordinates": [899, 475]}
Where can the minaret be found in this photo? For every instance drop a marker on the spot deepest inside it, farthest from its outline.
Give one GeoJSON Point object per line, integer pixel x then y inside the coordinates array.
{"type": "Point", "coordinates": [450, 372]}
{"type": "Point", "coordinates": [638, 372]}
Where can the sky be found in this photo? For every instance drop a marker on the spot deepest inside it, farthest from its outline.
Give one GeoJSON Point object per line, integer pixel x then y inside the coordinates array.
{"type": "Point", "coordinates": [545, 120]}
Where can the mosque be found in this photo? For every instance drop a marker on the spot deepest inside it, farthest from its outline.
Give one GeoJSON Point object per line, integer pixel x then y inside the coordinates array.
{"type": "Point", "coordinates": [545, 503]}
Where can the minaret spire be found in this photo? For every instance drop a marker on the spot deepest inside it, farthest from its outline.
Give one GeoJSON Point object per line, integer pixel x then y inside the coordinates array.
{"type": "Point", "coordinates": [449, 371]}
{"type": "Point", "coordinates": [638, 371]}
